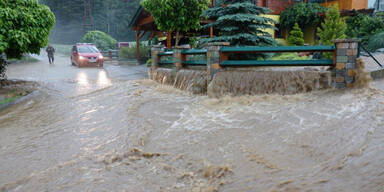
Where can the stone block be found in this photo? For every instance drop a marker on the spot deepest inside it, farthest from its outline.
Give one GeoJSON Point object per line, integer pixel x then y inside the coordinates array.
{"type": "Point", "coordinates": [341, 59]}
{"type": "Point", "coordinates": [215, 66]}
{"type": "Point", "coordinates": [351, 52]}
{"type": "Point", "coordinates": [342, 45]}
{"type": "Point", "coordinates": [353, 45]}
{"type": "Point", "coordinates": [340, 72]}
{"type": "Point", "coordinates": [351, 72]}
{"type": "Point", "coordinates": [340, 79]}
{"type": "Point", "coordinates": [341, 52]}
{"type": "Point", "coordinates": [349, 79]}
{"type": "Point", "coordinates": [350, 85]}
{"type": "Point", "coordinates": [340, 66]}
{"type": "Point", "coordinates": [352, 59]}
{"type": "Point", "coordinates": [350, 66]}
{"type": "Point", "coordinates": [340, 85]}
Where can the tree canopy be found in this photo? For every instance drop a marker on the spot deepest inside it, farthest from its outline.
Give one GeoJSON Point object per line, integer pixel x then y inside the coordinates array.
{"type": "Point", "coordinates": [332, 28]}
{"type": "Point", "coordinates": [240, 22]}
{"type": "Point", "coordinates": [176, 15]}
{"type": "Point", "coordinates": [303, 14]}
{"type": "Point", "coordinates": [24, 28]}
{"type": "Point", "coordinates": [100, 39]}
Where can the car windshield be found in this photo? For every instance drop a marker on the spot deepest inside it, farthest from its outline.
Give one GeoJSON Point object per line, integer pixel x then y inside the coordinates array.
{"type": "Point", "coordinates": [87, 49]}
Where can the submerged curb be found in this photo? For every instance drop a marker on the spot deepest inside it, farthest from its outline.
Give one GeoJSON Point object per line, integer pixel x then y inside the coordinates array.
{"type": "Point", "coordinates": [377, 74]}
{"type": "Point", "coordinates": [18, 100]}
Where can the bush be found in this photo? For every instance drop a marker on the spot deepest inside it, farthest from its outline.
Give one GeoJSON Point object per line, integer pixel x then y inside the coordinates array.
{"type": "Point", "coordinates": [303, 14]}
{"type": "Point", "coordinates": [376, 42]}
{"type": "Point", "coordinates": [289, 56]}
{"type": "Point", "coordinates": [364, 26]}
{"type": "Point", "coordinates": [130, 52]}
{"type": "Point", "coordinates": [296, 36]}
{"type": "Point", "coordinates": [102, 40]}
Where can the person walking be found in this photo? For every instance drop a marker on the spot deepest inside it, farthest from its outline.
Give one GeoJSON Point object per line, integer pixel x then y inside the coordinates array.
{"type": "Point", "coordinates": [50, 51]}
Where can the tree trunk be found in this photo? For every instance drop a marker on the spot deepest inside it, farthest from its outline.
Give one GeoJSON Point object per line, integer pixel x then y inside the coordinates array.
{"type": "Point", "coordinates": [177, 38]}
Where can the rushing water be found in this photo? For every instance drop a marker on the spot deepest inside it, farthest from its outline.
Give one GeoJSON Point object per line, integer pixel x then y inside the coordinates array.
{"type": "Point", "coordinates": [85, 130]}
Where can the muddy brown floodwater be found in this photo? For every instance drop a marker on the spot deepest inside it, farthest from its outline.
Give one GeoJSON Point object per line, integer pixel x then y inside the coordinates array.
{"type": "Point", "coordinates": [110, 130]}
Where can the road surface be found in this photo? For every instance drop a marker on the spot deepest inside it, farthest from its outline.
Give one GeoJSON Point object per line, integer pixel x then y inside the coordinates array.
{"type": "Point", "coordinates": [110, 129]}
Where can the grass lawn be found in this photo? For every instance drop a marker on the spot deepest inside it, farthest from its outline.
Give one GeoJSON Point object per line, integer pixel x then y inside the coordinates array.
{"type": "Point", "coordinates": [4, 101]}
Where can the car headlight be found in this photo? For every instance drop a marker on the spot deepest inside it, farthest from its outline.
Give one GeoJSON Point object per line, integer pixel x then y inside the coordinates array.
{"type": "Point", "coordinates": [81, 58]}
{"type": "Point", "coordinates": [101, 57]}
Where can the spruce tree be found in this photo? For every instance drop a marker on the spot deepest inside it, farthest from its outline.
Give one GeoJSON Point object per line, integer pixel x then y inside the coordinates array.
{"type": "Point", "coordinates": [240, 23]}
{"type": "Point", "coordinates": [332, 28]}
{"type": "Point", "coordinates": [296, 36]}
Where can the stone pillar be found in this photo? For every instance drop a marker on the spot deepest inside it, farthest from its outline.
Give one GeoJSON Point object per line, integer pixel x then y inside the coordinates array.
{"type": "Point", "coordinates": [154, 55]}
{"type": "Point", "coordinates": [214, 58]}
{"type": "Point", "coordinates": [178, 58]}
{"type": "Point", "coordinates": [345, 58]}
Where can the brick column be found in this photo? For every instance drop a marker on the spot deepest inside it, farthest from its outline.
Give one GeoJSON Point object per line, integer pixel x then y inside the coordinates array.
{"type": "Point", "coordinates": [346, 55]}
{"type": "Point", "coordinates": [178, 58]}
{"type": "Point", "coordinates": [214, 58]}
{"type": "Point", "coordinates": [154, 55]}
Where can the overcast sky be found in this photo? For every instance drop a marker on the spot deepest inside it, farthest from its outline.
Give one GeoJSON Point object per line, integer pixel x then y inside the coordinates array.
{"type": "Point", "coordinates": [370, 3]}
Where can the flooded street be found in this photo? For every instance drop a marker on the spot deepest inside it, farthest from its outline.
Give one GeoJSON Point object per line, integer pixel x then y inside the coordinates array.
{"type": "Point", "coordinates": [110, 129]}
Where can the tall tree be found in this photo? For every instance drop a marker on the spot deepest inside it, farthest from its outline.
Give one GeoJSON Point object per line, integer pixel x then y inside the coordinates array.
{"type": "Point", "coordinates": [332, 28]}
{"type": "Point", "coordinates": [24, 28]}
{"type": "Point", "coordinates": [176, 15]}
{"type": "Point", "coordinates": [240, 22]}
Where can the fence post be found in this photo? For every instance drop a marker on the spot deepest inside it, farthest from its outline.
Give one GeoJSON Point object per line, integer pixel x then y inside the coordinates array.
{"type": "Point", "coordinates": [346, 54]}
{"type": "Point", "coordinates": [154, 56]}
{"type": "Point", "coordinates": [215, 57]}
{"type": "Point", "coordinates": [178, 58]}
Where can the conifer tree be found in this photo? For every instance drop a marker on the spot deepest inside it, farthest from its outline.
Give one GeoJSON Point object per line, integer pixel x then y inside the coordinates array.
{"type": "Point", "coordinates": [296, 36]}
{"type": "Point", "coordinates": [240, 23]}
{"type": "Point", "coordinates": [333, 27]}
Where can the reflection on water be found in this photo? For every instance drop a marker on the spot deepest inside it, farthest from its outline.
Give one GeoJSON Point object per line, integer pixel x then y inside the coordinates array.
{"type": "Point", "coordinates": [82, 79]}
{"type": "Point", "coordinates": [102, 79]}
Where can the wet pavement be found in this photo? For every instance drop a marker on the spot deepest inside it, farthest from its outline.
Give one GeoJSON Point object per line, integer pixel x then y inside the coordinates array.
{"type": "Point", "coordinates": [109, 129]}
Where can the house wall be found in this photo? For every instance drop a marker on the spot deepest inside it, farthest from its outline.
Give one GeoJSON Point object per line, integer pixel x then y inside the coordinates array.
{"type": "Point", "coordinates": [349, 4]}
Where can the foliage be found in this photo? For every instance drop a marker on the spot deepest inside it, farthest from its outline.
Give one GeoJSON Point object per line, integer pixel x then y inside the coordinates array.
{"type": "Point", "coordinates": [289, 56]}
{"type": "Point", "coordinates": [148, 63]}
{"type": "Point", "coordinates": [364, 26]}
{"type": "Point", "coordinates": [130, 52]}
{"type": "Point", "coordinates": [332, 28]}
{"type": "Point", "coordinates": [354, 24]}
{"type": "Point", "coordinates": [100, 39]}
{"type": "Point", "coordinates": [296, 36]}
{"type": "Point", "coordinates": [110, 16]}
{"type": "Point", "coordinates": [376, 42]}
{"type": "Point", "coordinates": [176, 15]}
{"type": "Point", "coordinates": [303, 14]}
{"type": "Point", "coordinates": [240, 23]}
{"type": "Point", "coordinates": [24, 28]}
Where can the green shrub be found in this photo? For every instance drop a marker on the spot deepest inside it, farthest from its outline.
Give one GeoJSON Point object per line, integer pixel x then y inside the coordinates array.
{"type": "Point", "coordinates": [102, 40]}
{"type": "Point", "coordinates": [296, 36]}
{"type": "Point", "coordinates": [130, 52]}
{"type": "Point", "coordinates": [289, 56]}
{"type": "Point", "coordinates": [149, 63]}
{"type": "Point", "coordinates": [364, 26]}
{"type": "Point", "coordinates": [376, 42]}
